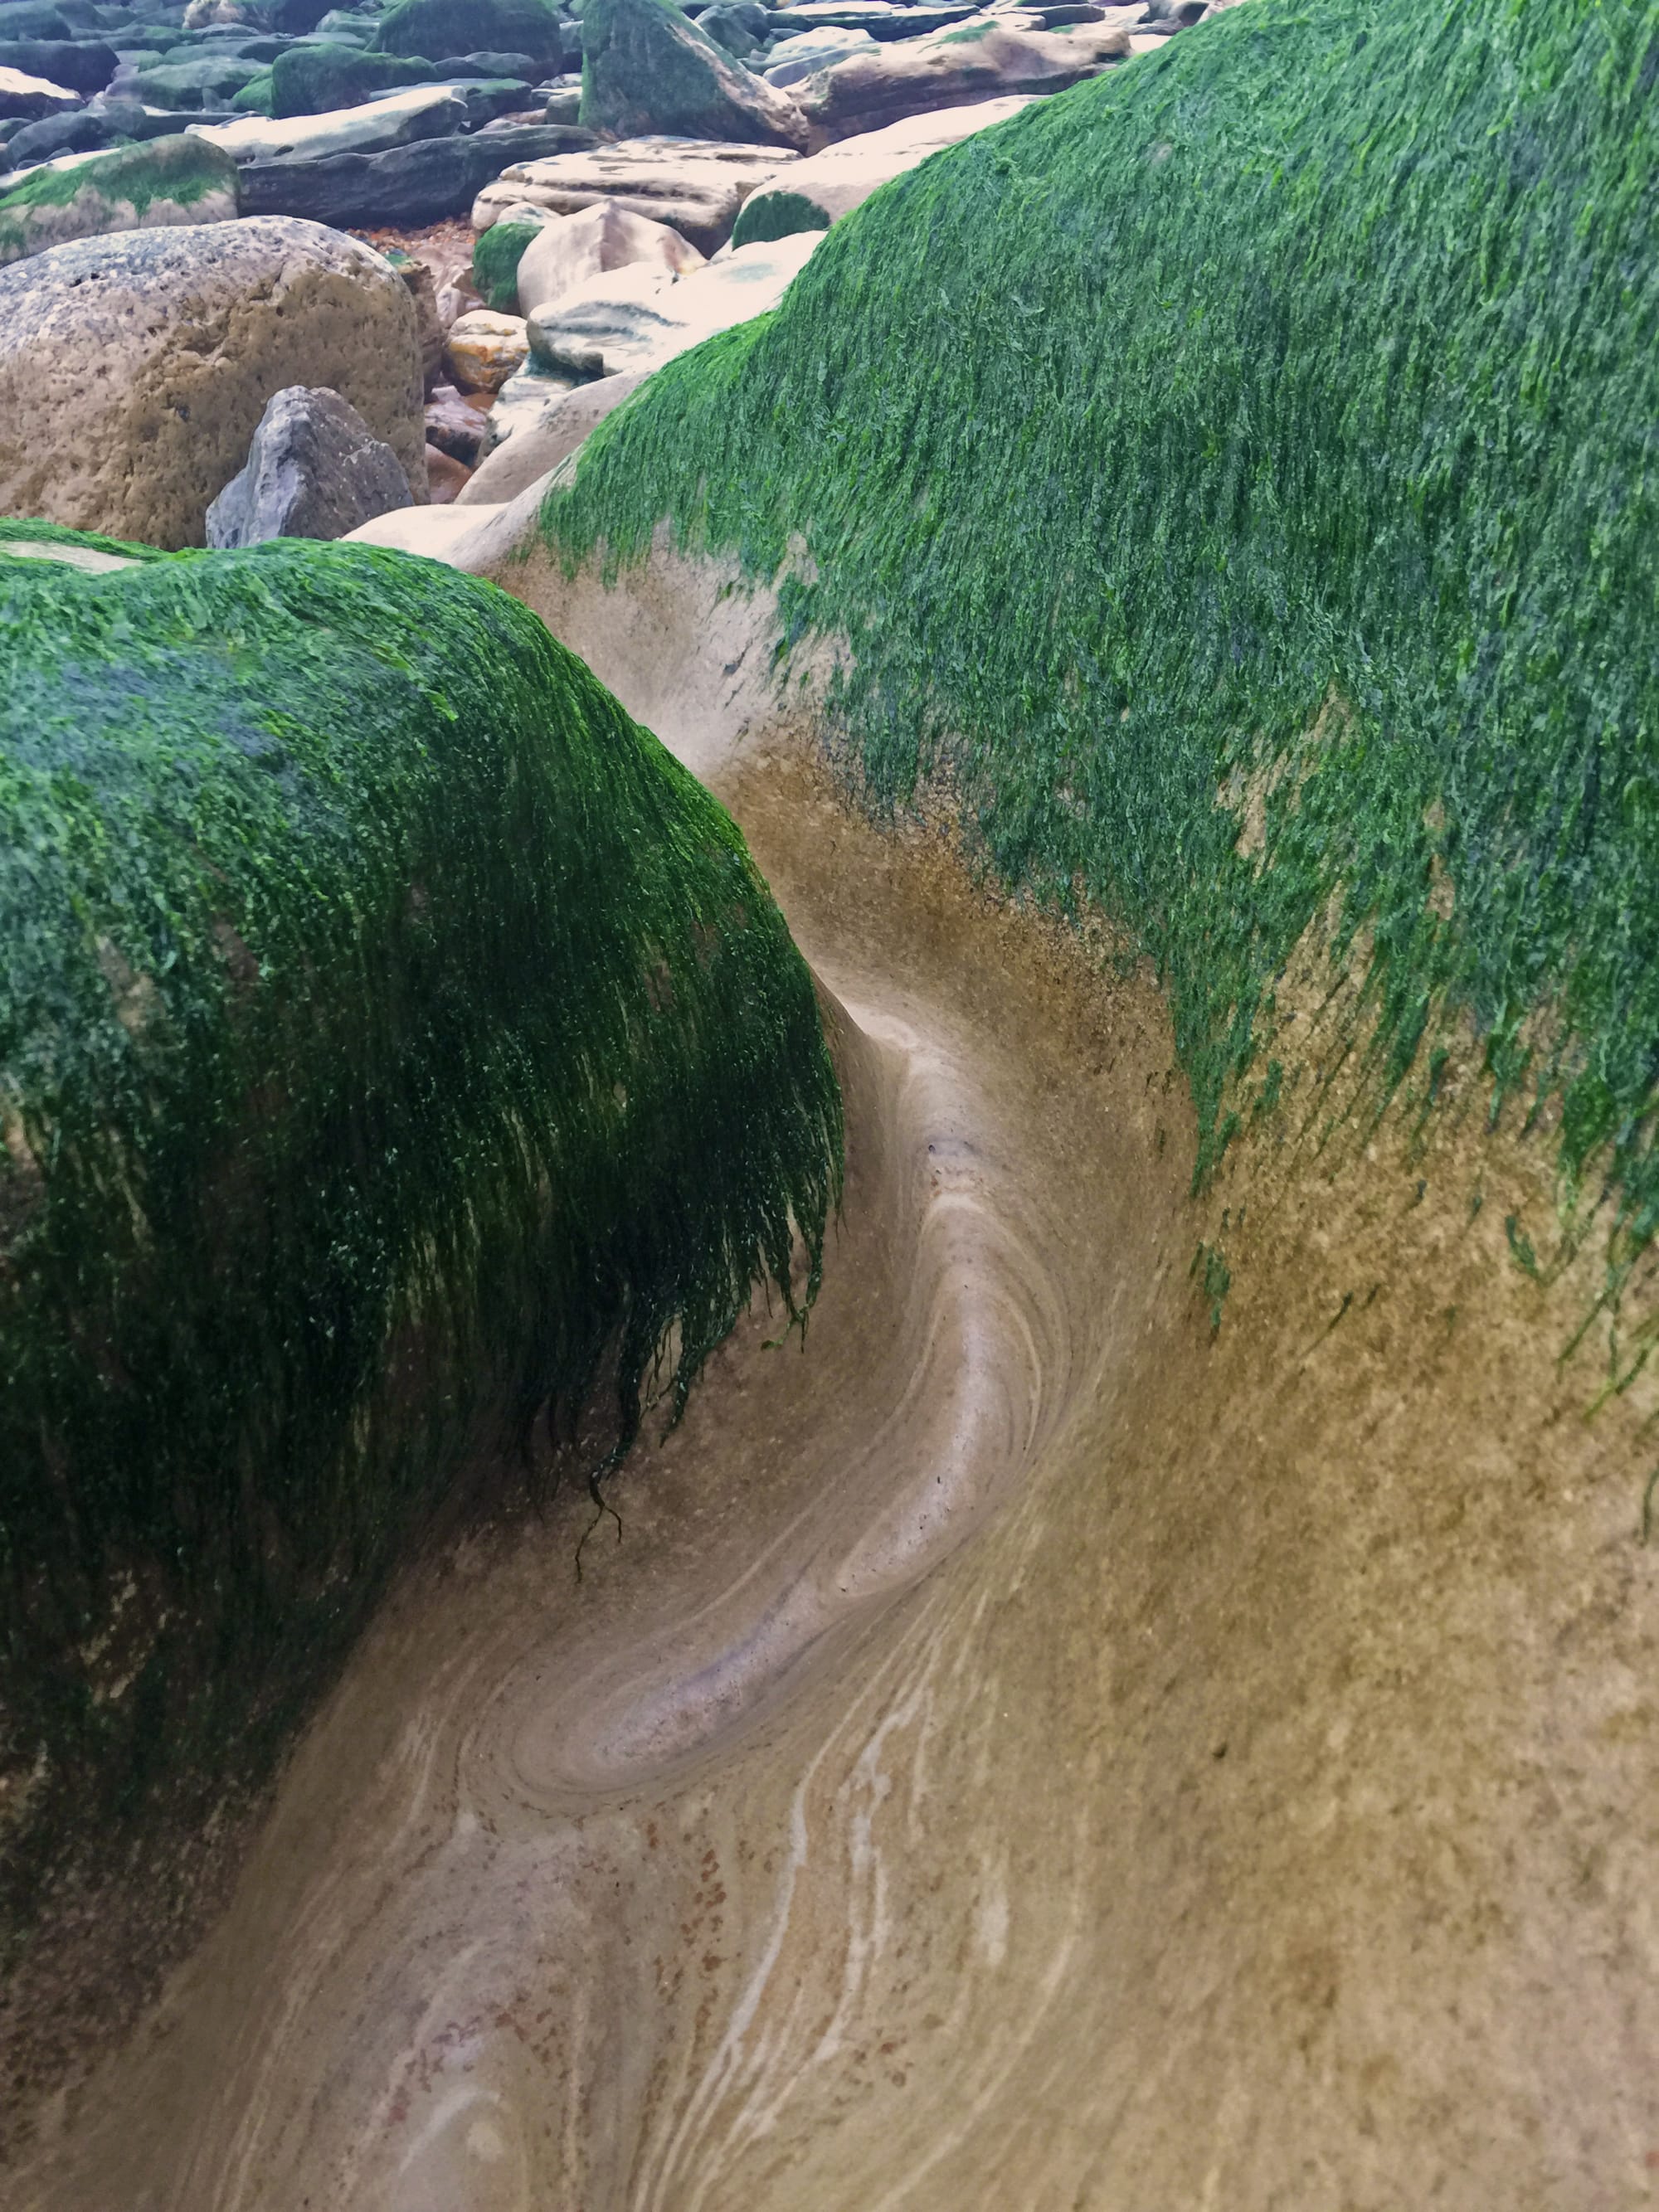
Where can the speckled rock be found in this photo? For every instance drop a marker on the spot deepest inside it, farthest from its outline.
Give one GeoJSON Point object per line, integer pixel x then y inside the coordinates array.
{"type": "Point", "coordinates": [134, 370]}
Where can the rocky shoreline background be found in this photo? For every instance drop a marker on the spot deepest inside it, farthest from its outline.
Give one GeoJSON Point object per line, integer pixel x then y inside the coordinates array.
{"type": "Point", "coordinates": [555, 197]}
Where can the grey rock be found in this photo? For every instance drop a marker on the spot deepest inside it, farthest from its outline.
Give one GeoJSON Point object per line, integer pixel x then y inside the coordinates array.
{"type": "Point", "coordinates": [314, 470]}
{"type": "Point", "coordinates": [419, 183]}
{"type": "Point", "coordinates": [27, 98]}
{"type": "Point", "coordinates": [82, 66]}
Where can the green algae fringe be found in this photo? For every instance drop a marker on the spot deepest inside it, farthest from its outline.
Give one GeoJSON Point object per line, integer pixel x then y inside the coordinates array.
{"type": "Point", "coordinates": [392, 1038]}
{"type": "Point", "coordinates": [1240, 475]}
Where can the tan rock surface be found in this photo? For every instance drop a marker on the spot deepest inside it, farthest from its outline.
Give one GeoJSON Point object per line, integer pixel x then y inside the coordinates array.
{"type": "Point", "coordinates": [536, 447]}
{"type": "Point", "coordinates": [696, 186]}
{"type": "Point", "coordinates": [134, 369]}
{"type": "Point", "coordinates": [603, 236]}
{"type": "Point", "coordinates": [482, 349]}
{"type": "Point", "coordinates": [843, 176]}
{"type": "Point", "coordinates": [985, 58]}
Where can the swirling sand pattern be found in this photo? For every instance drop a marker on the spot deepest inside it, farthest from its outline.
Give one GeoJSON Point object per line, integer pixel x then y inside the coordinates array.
{"type": "Point", "coordinates": [1025, 1753]}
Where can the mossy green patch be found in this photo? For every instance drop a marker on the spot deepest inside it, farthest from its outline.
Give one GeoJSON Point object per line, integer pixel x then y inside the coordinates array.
{"type": "Point", "coordinates": [449, 28]}
{"type": "Point", "coordinates": [316, 80]}
{"type": "Point", "coordinates": [391, 1035]}
{"type": "Point", "coordinates": [496, 253]}
{"type": "Point", "coordinates": [768, 215]}
{"type": "Point", "coordinates": [1240, 475]}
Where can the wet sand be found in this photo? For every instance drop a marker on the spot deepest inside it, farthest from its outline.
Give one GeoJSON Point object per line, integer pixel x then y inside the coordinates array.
{"type": "Point", "coordinates": [1025, 1751]}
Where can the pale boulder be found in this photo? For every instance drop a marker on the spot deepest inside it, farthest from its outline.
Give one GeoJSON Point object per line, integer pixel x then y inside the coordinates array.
{"type": "Point", "coordinates": [637, 317]}
{"type": "Point", "coordinates": [696, 186]}
{"type": "Point", "coordinates": [605, 236]}
{"type": "Point", "coordinates": [820, 190]}
{"type": "Point", "coordinates": [988, 57]}
{"type": "Point", "coordinates": [423, 111]}
{"type": "Point", "coordinates": [134, 370]}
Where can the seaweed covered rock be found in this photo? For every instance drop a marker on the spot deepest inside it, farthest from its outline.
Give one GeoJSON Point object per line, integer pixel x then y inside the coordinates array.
{"type": "Point", "coordinates": [460, 27]}
{"type": "Point", "coordinates": [1249, 531]}
{"type": "Point", "coordinates": [211, 81]}
{"type": "Point", "coordinates": [119, 412]}
{"type": "Point", "coordinates": [498, 251]}
{"type": "Point", "coordinates": [167, 184]}
{"type": "Point", "coordinates": [83, 65]}
{"type": "Point", "coordinates": [311, 80]}
{"type": "Point", "coordinates": [394, 1041]}
{"type": "Point", "coordinates": [648, 67]}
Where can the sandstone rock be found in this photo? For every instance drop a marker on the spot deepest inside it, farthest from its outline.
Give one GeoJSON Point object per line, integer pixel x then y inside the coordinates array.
{"type": "Point", "coordinates": [537, 446]}
{"type": "Point", "coordinates": [483, 348]}
{"type": "Point", "coordinates": [522, 401]}
{"type": "Point", "coordinates": [134, 370]}
{"type": "Point", "coordinates": [31, 97]}
{"type": "Point", "coordinates": [314, 470]}
{"type": "Point", "coordinates": [694, 187]}
{"type": "Point", "coordinates": [819, 191]}
{"type": "Point", "coordinates": [648, 67]}
{"type": "Point", "coordinates": [986, 58]}
{"type": "Point", "coordinates": [808, 52]}
{"type": "Point", "coordinates": [637, 317]}
{"type": "Point", "coordinates": [169, 183]}
{"type": "Point", "coordinates": [498, 251]}
{"type": "Point", "coordinates": [568, 252]}
{"type": "Point", "coordinates": [81, 65]}
{"type": "Point", "coordinates": [440, 27]}
{"type": "Point", "coordinates": [419, 183]}
{"type": "Point", "coordinates": [428, 111]}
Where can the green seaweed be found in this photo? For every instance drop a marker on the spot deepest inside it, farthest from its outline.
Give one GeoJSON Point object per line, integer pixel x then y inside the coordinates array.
{"type": "Point", "coordinates": [496, 253]}
{"type": "Point", "coordinates": [768, 215]}
{"type": "Point", "coordinates": [394, 1040]}
{"type": "Point", "coordinates": [315, 79]}
{"type": "Point", "coordinates": [1239, 476]}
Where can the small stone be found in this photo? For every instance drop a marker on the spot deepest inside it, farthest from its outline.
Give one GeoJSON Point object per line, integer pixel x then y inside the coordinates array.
{"type": "Point", "coordinates": [314, 470]}
{"type": "Point", "coordinates": [484, 348]}
{"type": "Point", "coordinates": [445, 477]}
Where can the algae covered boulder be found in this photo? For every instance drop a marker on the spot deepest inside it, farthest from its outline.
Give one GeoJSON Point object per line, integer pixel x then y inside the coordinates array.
{"type": "Point", "coordinates": [647, 68]}
{"type": "Point", "coordinates": [167, 183]}
{"type": "Point", "coordinates": [497, 252]}
{"type": "Point", "coordinates": [394, 1042]}
{"type": "Point", "coordinates": [1209, 472]}
{"type": "Point", "coordinates": [312, 80]}
{"type": "Point", "coordinates": [442, 28]}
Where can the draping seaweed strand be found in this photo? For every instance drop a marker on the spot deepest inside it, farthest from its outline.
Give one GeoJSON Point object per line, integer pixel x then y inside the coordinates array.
{"type": "Point", "coordinates": [1276, 416]}
{"type": "Point", "coordinates": [391, 1032]}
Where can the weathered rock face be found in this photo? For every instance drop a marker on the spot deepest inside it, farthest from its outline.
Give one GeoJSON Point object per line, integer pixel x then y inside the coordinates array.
{"type": "Point", "coordinates": [567, 253]}
{"type": "Point", "coordinates": [134, 370]}
{"type": "Point", "coordinates": [418, 183]}
{"type": "Point", "coordinates": [741, 26]}
{"type": "Point", "coordinates": [212, 81]}
{"type": "Point", "coordinates": [817, 192]}
{"type": "Point", "coordinates": [637, 317]}
{"type": "Point", "coordinates": [648, 67]}
{"type": "Point", "coordinates": [482, 349]}
{"type": "Point", "coordinates": [983, 60]}
{"type": "Point", "coordinates": [808, 52]}
{"type": "Point", "coordinates": [171, 182]}
{"type": "Point", "coordinates": [460, 26]}
{"type": "Point", "coordinates": [695, 187]}
{"type": "Point", "coordinates": [314, 470]}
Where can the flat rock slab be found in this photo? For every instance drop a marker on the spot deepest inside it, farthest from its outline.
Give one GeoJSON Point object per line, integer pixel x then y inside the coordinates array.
{"type": "Point", "coordinates": [414, 112]}
{"type": "Point", "coordinates": [134, 370]}
{"type": "Point", "coordinates": [695, 186]}
{"type": "Point", "coordinates": [418, 183]}
{"type": "Point", "coordinates": [32, 97]}
{"type": "Point", "coordinates": [985, 58]}
{"type": "Point", "coordinates": [633, 319]}
{"type": "Point", "coordinates": [879, 17]}
{"type": "Point", "coordinates": [820, 190]}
